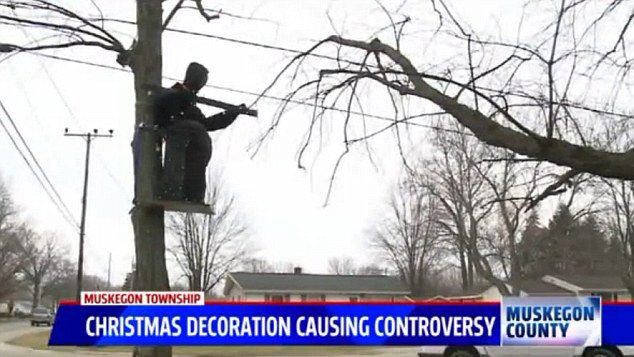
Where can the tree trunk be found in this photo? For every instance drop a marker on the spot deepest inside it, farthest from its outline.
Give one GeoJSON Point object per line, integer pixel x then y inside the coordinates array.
{"type": "Point", "coordinates": [37, 293]}
{"type": "Point", "coordinates": [149, 230]}
{"type": "Point", "coordinates": [470, 258]}
{"type": "Point", "coordinates": [195, 282]}
{"type": "Point", "coordinates": [463, 266]}
{"type": "Point", "coordinates": [516, 268]}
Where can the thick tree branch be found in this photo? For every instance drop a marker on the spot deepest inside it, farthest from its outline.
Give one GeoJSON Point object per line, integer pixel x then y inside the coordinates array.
{"type": "Point", "coordinates": [560, 152]}
{"type": "Point", "coordinates": [6, 48]}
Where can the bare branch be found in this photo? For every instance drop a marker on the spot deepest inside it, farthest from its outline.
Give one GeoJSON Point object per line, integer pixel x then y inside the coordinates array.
{"type": "Point", "coordinates": [557, 151]}
{"type": "Point", "coordinates": [203, 12]}
{"type": "Point", "coordinates": [555, 188]}
{"type": "Point", "coordinates": [172, 13]}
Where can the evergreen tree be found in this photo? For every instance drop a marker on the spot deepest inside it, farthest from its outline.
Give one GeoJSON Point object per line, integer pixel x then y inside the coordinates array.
{"type": "Point", "coordinates": [589, 247]}
{"type": "Point", "coordinates": [532, 247]}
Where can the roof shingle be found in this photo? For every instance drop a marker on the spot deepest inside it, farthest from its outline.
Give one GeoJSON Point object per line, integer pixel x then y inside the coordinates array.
{"type": "Point", "coordinates": [594, 282]}
{"type": "Point", "coordinates": [319, 283]}
{"type": "Point", "coordinates": [540, 287]}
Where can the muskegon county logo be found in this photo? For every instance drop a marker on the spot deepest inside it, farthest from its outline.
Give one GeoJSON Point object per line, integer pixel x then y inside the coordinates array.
{"type": "Point", "coordinates": [554, 321]}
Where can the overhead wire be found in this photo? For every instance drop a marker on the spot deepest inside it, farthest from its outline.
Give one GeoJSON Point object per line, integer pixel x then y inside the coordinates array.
{"type": "Point", "coordinates": [241, 91]}
{"type": "Point", "coordinates": [243, 42]}
{"type": "Point", "coordinates": [75, 118]}
{"type": "Point", "coordinates": [59, 202]}
{"type": "Point", "coordinates": [405, 121]}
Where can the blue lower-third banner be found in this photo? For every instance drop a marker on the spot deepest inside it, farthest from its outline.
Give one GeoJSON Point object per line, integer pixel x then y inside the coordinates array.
{"type": "Point", "coordinates": [183, 318]}
{"type": "Point", "coordinates": [278, 324]}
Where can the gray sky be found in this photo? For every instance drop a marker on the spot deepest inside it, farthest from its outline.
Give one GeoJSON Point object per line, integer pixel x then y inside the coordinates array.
{"type": "Point", "coordinates": [282, 204]}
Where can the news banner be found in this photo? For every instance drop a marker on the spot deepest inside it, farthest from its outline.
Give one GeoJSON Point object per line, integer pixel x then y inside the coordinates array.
{"type": "Point", "coordinates": [184, 318]}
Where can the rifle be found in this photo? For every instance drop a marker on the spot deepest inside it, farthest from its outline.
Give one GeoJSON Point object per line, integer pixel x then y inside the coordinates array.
{"type": "Point", "coordinates": [216, 103]}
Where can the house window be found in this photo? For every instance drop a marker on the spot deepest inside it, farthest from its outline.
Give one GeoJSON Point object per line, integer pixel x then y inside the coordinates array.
{"type": "Point", "coordinates": [323, 297]}
{"type": "Point", "coordinates": [304, 297]}
{"type": "Point", "coordinates": [277, 298]}
{"type": "Point", "coordinates": [354, 299]}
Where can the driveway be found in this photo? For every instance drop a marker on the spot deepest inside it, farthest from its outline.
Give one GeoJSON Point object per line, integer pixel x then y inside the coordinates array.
{"type": "Point", "coordinates": [10, 330]}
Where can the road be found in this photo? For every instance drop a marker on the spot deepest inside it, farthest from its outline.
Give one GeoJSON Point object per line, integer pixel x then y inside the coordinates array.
{"type": "Point", "coordinates": [10, 330]}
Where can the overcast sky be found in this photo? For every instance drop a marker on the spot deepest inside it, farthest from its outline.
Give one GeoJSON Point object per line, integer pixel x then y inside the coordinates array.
{"type": "Point", "coordinates": [282, 204]}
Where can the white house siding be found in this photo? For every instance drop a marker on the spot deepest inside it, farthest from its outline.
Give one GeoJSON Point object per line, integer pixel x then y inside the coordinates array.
{"type": "Point", "coordinates": [236, 294]}
{"type": "Point", "coordinates": [624, 297]}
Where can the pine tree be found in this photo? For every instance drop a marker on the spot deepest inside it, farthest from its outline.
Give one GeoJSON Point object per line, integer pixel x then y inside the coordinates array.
{"type": "Point", "coordinates": [589, 247]}
{"type": "Point", "coordinates": [531, 248]}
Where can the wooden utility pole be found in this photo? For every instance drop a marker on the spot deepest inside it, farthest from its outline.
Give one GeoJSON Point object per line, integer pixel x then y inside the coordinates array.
{"type": "Point", "coordinates": [109, 267]}
{"type": "Point", "coordinates": [148, 222]}
{"type": "Point", "coordinates": [82, 228]}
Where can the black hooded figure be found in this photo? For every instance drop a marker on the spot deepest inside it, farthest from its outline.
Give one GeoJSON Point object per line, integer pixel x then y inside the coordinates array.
{"type": "Point", "coordinates": [175, 111]}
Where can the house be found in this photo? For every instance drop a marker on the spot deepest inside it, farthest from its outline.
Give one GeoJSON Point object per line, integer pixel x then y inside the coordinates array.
{"type": "Point", "coordinates": [297, 286]}
{"type": "Point", "coordinates": [610, 288]}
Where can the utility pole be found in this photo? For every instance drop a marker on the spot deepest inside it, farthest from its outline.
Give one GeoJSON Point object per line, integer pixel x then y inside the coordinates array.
{"type": "Point", "coordinates": [82, 228]}
{"type": "Point", "coordinates": [109, 266]}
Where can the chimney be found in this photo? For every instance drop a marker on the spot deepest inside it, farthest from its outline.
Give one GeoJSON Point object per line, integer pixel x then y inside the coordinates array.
{"type": "Point", "coordinates": [297, 270]}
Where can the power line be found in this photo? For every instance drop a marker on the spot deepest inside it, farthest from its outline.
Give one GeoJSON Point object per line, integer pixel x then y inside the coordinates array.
{"type": "Point", "coordinates": [37, 163]}
{"type": "Point", "coordinates": [245, 42]}
{"type": "Point", "coordinates": [72, 114]}
{"type": "Point", "coordinates": [234, 90]}
{"type": "Point", "coordinates": [63, 209]}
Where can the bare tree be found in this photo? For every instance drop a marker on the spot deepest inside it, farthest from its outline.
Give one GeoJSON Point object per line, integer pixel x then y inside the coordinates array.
{"type": "Point", "coordinates": [408, 238]}
{"type": "Point", "coordinates": [504, 92]}
{"type": "Point", "coordinates": [260, 265]}
{"type": "Point", "coordinates": [283, 267]}
{"type": "Point", "coordinates": [257, 265]}
{"type": "Point", "coordinates": [512, 185]}
{"type": "Point", "coordinates": [619, 216]}
{"type": "Point", "coordinates": [454, 179]}
{"type": "Point", "coordinates": [342, 266]}
{"type": "Point", "coordinates": [42, 255]}
{"type": "Point", "coordinates": [484, 196]}
{"type": "Point", "coordinates": [62, 281]}
{"type": "Point", "coordinates": [209, 246]}
{"type": "Point", "coordinates": [370, 269]}
{"type": "Point", "coordinates": [347, 266]}
{"type": "Point", "coordinates": [11, 253]}
{"type": "Point", "coordinates": [64, 27]}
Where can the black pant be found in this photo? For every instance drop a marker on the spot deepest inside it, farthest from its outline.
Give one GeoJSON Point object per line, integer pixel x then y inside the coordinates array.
{"type": "Point", "coordinates": [197, 156]}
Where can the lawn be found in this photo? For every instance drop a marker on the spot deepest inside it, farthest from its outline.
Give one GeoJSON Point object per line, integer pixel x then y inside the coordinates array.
{"type": "Point", "coordinates": [39, 340]}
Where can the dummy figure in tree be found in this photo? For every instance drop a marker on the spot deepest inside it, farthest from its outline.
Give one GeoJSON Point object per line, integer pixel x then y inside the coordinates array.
{"type": "Point", "coordinates": [186, 128]}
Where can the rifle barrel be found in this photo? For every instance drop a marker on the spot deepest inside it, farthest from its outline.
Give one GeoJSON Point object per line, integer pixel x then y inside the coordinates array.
{"type": "Point", "coordinates": [216, 103]}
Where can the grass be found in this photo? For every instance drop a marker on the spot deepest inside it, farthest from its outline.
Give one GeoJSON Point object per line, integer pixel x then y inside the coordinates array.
{"type": "Point", "coordinates": [39, 340]}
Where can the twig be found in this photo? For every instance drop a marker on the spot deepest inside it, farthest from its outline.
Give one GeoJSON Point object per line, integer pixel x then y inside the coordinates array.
{"type": "Point", "coordinates": [554, 188]}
